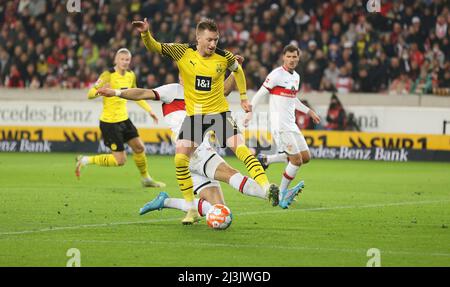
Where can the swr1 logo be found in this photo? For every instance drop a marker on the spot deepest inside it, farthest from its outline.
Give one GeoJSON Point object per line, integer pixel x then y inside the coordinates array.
{"type": "Point", "coordinates": [373, 6]}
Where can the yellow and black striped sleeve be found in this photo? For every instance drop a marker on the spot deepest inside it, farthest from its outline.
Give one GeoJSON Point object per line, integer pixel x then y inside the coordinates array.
{"type": "Point", "coordinates": [239, 75]}
{"type": "Point", "coordinates": [150, 43]}
{"type": "Point", "coordinates": [241, 83]}
{"type": "Point", "coordinates": [173, 50]}
{"type": "Point", "coordinates": [231, 61]}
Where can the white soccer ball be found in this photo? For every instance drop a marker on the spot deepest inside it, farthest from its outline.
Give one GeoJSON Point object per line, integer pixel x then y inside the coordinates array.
{"type": "Point", "coordinates": [219, 217]}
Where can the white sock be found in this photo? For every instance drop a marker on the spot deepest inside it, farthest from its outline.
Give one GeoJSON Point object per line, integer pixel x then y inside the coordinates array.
{"type": "Point", "coordinates": [203, 206]}
{"type": "Point", "coordinates": [278, 157]}
{"type": "Point", "coordinates": [247, 186]}
{"type": "Point", "coordinates": [236, 180]}
{"type": "Point", "coordinates": [190, 204]}
{"type": "Point", "coordinates": [181, 204]}
{"type": "Point", "coordinates": [289, 174]}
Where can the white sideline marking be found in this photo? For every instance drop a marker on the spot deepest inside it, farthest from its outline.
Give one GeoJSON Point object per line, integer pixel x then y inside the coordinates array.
{"type": "Point", "coordinates": [241, 214]}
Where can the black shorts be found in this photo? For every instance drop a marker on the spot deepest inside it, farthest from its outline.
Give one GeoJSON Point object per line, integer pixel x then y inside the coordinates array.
{"type": "Point", "coordinates": [116, 134]}
{"type": "Point", "coordinates": [195, 127]}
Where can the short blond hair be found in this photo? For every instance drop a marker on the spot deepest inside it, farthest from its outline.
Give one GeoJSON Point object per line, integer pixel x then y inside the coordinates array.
{"type": "Point", "coordinates": [123, 51]}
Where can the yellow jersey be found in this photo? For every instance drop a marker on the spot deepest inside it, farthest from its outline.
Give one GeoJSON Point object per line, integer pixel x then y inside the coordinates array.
{"type": "Point", "coordinates": [203, 77]}
{"type": "Point", "coordinates": [115, 108]}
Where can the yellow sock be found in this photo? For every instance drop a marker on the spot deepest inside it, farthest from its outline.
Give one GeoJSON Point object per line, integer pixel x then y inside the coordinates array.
{"type": "Point", "coordinates": [141, 162]}
{"type": "Point", "coordinates": [253, 166]}
{"type": "Point", "coordinates": [184, 176]}
{"type": "Point", "coordinates": [103, 160]}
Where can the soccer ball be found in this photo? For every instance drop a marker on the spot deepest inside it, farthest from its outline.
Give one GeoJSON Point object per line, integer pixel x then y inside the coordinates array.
{"type": "Point", "coordinates": [219, 217]}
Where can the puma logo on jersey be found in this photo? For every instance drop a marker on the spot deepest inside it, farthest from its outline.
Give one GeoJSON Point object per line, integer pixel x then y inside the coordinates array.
{"type": "Point", "coordinates": [193, 64]}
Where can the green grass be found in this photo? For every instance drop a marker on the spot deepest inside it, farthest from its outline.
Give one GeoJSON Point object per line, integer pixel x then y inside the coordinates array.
{"type": "Point", "coordinates": [347, 207]}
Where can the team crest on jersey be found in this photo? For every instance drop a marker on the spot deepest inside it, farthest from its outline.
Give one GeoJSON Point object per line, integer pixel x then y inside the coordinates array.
{"type": "Point", "coordinates": [219, 68]}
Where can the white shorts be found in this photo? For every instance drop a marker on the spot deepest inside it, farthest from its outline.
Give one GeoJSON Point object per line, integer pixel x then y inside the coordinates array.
{"type": "Point", "coordinates": [203, 165]}
{"type": "Point", "coordinates": [201, 182]}
{"type": "Point", "coordinates": [290, 142]}
{"type": "Point", "coordinates": [168, 93]}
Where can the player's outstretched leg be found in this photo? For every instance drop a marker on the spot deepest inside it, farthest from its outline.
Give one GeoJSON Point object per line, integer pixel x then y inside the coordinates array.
{"type": "Point", "coordinates": [156, 204]}
{"type": "Point", "coordinates": [221, 171]}
{"type": "Point", "coordinates": [100, 160]}
{"type": "Point", "coordinates": [254, 168]}
{"type": "Point", "coordinates": [249, 186]}
{"type": "Point", "coordinates": [162, 200]}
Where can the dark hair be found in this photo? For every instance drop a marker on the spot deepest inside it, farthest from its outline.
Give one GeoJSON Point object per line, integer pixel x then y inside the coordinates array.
{"type": "Point", "coordinates": [207, 24]}
{"type": "Point", "coordinates": [291, 48]}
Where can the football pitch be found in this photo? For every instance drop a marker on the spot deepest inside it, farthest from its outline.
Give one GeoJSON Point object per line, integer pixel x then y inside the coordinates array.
{"type": "Point", "coordinates": [346, 208]}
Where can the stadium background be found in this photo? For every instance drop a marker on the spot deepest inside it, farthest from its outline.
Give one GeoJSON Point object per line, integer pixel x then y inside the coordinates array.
{"type": "Point", "coordinates": [389, 69]}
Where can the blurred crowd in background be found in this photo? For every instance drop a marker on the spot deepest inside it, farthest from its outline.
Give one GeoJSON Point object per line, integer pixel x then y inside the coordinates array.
{"type": "Point", "coordinates": [404, 49]}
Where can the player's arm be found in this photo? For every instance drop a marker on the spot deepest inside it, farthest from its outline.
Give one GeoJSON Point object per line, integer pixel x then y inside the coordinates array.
{"type": "Point", "coordinates": [133, 94]}
{"type": "Point", "coordinates": [230, 83]}
{"type": "Point", "coordinates": [104, 79]}
{"type": "Point", "coordinates": [143, 104]}
{"type": "Point", "coordinates": [304, 109]}
{"type": "Point", "coordinates": [150, 43]}
{"type": "Point", "coordinates": [174, 51]}
{"type": "Point", "coordinates": [239, 77]}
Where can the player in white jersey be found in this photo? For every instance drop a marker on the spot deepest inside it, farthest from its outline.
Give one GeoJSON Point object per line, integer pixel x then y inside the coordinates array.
{"type": "Point", "coordinates": [282, 84]}
{"type": "Point", "coordinates": [206, 164]}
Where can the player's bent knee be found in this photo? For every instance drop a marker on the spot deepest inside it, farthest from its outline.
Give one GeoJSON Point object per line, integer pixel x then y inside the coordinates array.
{"type": "Point", "coordinates": [139, 149]}
{"type": "Point", "coordinates": [296, 159]}
{"type": "Point", "coordinates": [212, 165]}
{"type": "Point", "coordinates": [306, 157]}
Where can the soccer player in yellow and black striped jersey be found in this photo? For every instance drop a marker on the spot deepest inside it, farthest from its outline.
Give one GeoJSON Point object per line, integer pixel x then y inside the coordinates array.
{"type": "Point", "coordinates": [117, 129]}
{"type": "Point", "coordinates": [202, 68]}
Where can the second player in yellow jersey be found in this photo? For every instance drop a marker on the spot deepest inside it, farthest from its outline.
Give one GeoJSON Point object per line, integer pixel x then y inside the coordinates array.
{"type": "Point", "coordinates": [117, 129]}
